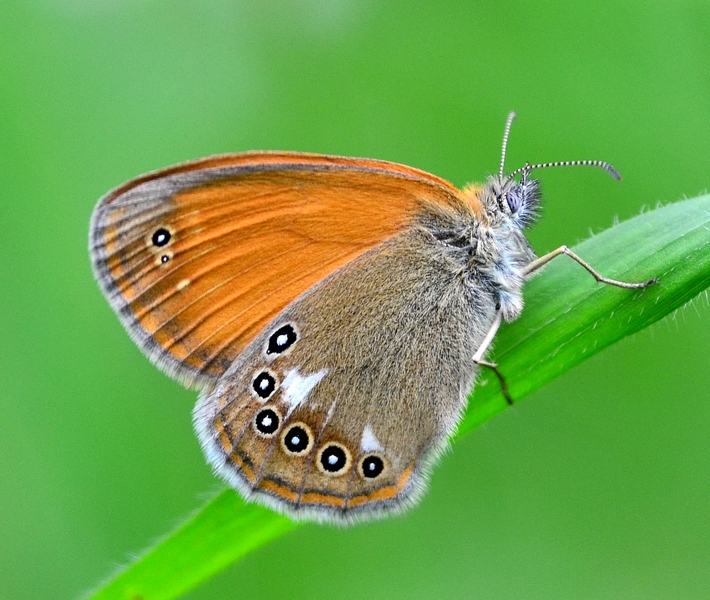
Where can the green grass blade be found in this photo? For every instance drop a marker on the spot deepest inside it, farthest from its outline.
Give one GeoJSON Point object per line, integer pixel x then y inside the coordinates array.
{"type": "Point", "coordinates": [222, 531]}
{"type": "Point", "coordinates": [568, 318]}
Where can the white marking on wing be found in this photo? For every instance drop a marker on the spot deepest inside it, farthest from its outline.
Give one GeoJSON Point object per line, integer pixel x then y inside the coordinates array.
{"type": "Point", "coordinates": [331, 410]}
{"type": "Point", "coordinates": [296, 387]}
{"type": "Point", "coordinates": [369, 442]}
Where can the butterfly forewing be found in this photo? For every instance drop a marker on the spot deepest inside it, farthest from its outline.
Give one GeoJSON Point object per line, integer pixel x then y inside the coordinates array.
{"type": "Point", "coordinates": [199, 258]}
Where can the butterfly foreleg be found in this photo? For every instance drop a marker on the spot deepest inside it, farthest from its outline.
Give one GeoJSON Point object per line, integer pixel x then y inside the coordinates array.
{"type": "Point", "coordinates": [537, 264]}
{"type": "Point", "coordinates": [478, 357]}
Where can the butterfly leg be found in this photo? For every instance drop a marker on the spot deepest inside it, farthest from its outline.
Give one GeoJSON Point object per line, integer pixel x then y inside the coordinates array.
{"type": "Point", "coordinates": [478, 357]}
{"type": "Point", "coordinates": [543, 260]}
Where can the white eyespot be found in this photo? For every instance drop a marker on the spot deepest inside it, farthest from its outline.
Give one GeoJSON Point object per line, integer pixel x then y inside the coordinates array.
{"type": "Point", "coordinates": [281, 341]}
{"type": "Point", "coordinates": [333, 459]}
{"type": "Point", "coordinates": [264, 384]}
{"type": "Point", "coordinates": [183, 284]}
{"type": "Point", "coordinates": [297, 439]}
{"type": "Point", "coordinates": [296, 388]}
{"type": "Point", "coordinates": [160, 238]}
{"type": "Point", "coordinates": [163, 257]}
{"type": "Point", "coordinates": [372, 466]}
{"type": "Point", "coordinates": [266, 422]}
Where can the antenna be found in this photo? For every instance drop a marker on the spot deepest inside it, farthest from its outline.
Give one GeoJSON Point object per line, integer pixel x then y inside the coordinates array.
{"type": "Point", "coordinates": [506, 133]}
{"type": "Point", "coordinates": [565, 163]}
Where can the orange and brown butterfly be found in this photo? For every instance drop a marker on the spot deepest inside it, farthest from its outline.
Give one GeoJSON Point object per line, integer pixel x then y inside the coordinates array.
{"type": "Point", "coordinates": [331, 310]}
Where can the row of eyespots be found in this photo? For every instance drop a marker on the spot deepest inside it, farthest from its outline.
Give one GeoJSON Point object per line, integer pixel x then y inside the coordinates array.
{"type": "Point", "coordinates": [297, 440]}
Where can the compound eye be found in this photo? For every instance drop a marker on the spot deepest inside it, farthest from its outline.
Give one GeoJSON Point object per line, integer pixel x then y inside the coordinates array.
{"type": "Point", "coordinates": [514, 199]}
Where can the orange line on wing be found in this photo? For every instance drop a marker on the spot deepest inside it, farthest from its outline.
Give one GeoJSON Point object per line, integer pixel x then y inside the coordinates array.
{"type": "Point", "coordinates": [223, 436]}
{"type": "Point", "coordinates": [315, 498]}
{"type": "Point", "coordinates": [279, 490]}
{"type": "Point", "coordinates": [384, 493]}
{"type": "Point", "coordinates": [404, 478]}
{"type": "Point", "coordinates": [246, 470]}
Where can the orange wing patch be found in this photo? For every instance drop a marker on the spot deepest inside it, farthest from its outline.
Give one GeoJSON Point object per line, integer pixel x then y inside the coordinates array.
{"type": "Point", "coordinates": [247, 234]}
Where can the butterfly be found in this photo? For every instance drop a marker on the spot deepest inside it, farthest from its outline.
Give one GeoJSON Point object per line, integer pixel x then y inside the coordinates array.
{"type": "Point", "coordinates": [332, 311]}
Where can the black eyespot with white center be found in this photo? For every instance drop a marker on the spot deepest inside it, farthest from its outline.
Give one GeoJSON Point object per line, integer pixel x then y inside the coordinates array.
{"type": "Point", "coordinates": [264, 384]}
{"type": "Point", "coordinates": [161, 237]}
{"type": "Point", "coordinates": [372, 466]}
{"type": "Point", "coordinates": [282, 339]}
{"type": "Point", "coordinates": [267, 422]}
{"type": "Point", "coordinates": [164, 258]}
{"type": "Point", "coordinates": [334, 459]}
{"type": "Point", "coordinates": [297, 440]}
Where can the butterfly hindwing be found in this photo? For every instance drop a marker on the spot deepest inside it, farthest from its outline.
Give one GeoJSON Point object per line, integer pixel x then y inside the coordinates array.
{"type": "Point", "coordinates": [363, 378]}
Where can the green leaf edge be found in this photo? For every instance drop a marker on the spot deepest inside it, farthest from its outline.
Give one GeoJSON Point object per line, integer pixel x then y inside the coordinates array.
{"type": "Point", "coordinates": [568, 317]}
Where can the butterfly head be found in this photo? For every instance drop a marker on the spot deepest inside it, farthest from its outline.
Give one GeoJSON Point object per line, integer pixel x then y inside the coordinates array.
{"type": "Point", "coordinates": [507, 201]}
{"type": "Point", "coordinates": [512, 202]}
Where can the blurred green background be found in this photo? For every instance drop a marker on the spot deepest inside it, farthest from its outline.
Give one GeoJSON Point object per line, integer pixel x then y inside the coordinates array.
{"type": "Point", "coordinates": [595, 487]}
